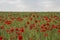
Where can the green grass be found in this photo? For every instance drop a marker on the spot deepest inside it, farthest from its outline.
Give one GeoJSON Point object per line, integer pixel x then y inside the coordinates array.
{"type": "Point", "coordinates": [35, 33]}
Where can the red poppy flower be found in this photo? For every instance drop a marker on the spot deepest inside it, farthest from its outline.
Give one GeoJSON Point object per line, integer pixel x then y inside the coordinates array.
{"type": "Point", "coordinates": [58, 30]}
{"type": "Point", "coordinates": [44, 25]}
{"type": "Point", "coordinates": [30, 18]}
{"type": "Point", "coordinates": [47, 19]}
{"type": "Point", "coordinates": [43, 30]}
{"type": "Point", "coordinates": [28, 22]}
{"type": "Point", "coordinates": [17, 29]}
{"type": "Point", "coordinates": [54, 26]}
{"type": "Point", "coordinates": [12, 29]}
{"type": "Point", "coordinates": [55, 16]}
{"type": "Point", "coordinates": [18, 33]}
{"type": "Point", "coordinates": [48, 28]}
{"type": "Point", "coordinates": [36, 21]}
{"type": "Point", "coordinates": [19, 19]}
{"type": "Point", "coordinates": [45, 35]}
{"type": "Point", "coordinates": [48, 24]}
{"type": "Point", "coordinates": [21, 29]}
{"type": "Point", "coordinates": [7, 31]}
{"type": "Point", "coordinates": [32, 25]}
{"type": "Point", "coordinates": [1, 38]}
{"type": "Point", "coordinates": [8, 22]}
{"type": "Point", "coordinates": [1, 27]}
{"type": "Point", "coordinates": [20, 37]}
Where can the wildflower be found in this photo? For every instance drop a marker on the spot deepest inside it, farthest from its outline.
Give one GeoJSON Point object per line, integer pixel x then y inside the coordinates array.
{"type": "Point", "coordinates": [1, 27]}
{"type": "Point", "coordinates": [36, 21]}
{"type": "Point", "coordinates": [8, 22]}
{"type": "Point", "coordinates": [19, 19]}
{"type": "Point", "coordinates": [30, 38]}
{"type": "Point", "coordinates": [28, 22]}
{"type": "Point", "coordinates": [21, 29]}
{"type": "Point", "coordinates": [43, 30]}
{"type": "Point", "coordinates": [53, 26]}
{"type": "Point", "coordinates": [18, 33]}
{"type": "Point", "coordinates": [58, 30]}
{"type": "Point", "coordinates": [45, 34]}
{"type": "Point", "coordinates": [30, 18]}
{"type": "Point", "coordinates": [1, 38]}
{"type": "Point", "coordinates": [20, 37]}
{"type": "Point", "coordinates": [7, 31]}
{"type": "Point", "coordinates": [32, 25]}
{"type": "Point", "coordinates": [17, 29]}
{"type": "Point", "coordinates": [12, 29]}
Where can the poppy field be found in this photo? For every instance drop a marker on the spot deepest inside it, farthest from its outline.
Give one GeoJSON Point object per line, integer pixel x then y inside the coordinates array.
{"type": "Point", "coordinates": [29, 25]}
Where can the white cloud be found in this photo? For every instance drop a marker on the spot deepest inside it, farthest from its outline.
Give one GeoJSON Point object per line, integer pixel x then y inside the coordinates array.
{"type": "Point", "coordinates": [29, 5]}
{"type": "Point", "coordinates": [49, 5]}
{"type": "Point", "coordinates": [9, 5]}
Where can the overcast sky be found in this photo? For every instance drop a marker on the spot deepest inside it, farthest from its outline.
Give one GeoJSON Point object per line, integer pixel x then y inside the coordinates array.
{"type": "Point", "coordinates": [29, 5]}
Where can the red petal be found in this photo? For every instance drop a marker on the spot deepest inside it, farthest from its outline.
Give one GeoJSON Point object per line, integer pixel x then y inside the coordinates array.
{"type": "Point", "coordinates": [20, 37]}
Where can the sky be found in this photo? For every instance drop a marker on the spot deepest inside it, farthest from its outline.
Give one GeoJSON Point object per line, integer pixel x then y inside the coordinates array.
{"type": "Point", "coordinates": [30, 5]}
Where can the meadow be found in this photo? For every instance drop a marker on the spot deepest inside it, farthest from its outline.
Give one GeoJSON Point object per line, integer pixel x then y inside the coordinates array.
{"type": "Point", "coordinates": [29, 25]}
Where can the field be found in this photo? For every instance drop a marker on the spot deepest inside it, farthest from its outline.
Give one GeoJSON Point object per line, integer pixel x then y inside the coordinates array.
{"type": "Point", "coordinates": [29, 25]}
